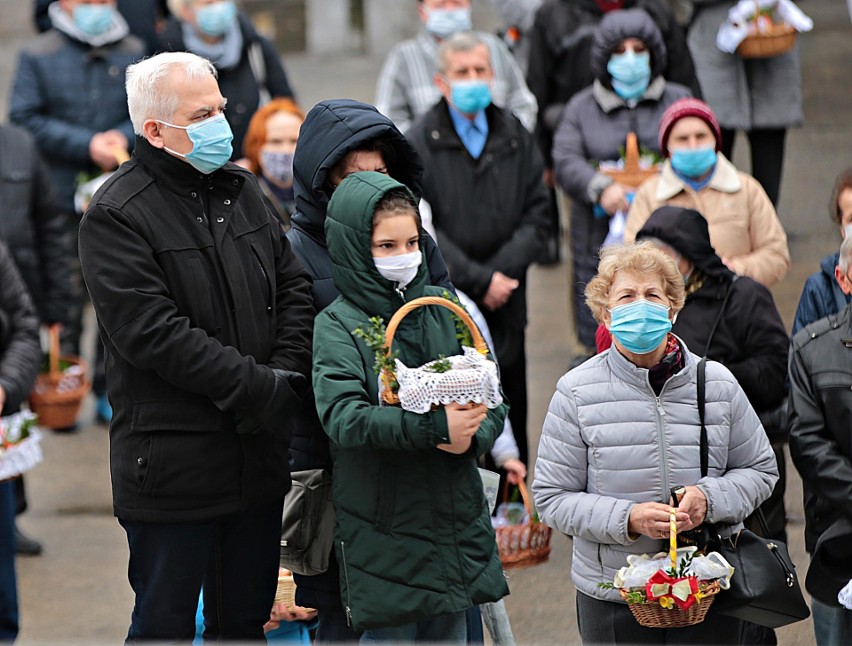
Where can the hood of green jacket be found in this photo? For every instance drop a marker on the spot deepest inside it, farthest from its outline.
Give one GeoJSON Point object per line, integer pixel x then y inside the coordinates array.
{"type": "Point", "coordinates": [348, 233]}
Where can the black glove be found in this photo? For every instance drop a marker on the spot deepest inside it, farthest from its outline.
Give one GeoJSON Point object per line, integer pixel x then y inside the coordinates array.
{"type": "Point", "coordinates": [286, 400]}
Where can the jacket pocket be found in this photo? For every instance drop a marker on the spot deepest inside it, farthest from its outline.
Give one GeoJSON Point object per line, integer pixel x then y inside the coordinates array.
{"type": "Point", "coordinates": [175, 415]}
{"type": "Point", "coordinates": [385, 500]}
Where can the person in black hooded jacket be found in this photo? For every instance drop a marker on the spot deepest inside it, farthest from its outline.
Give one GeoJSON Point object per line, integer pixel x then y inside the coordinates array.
{"type": "Point", "coordinates": [338, 137]}
{"type": "Point", "coordinates": [733, 320]}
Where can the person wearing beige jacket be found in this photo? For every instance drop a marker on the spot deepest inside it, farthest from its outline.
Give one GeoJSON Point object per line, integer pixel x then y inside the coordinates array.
{"type": "Point", "coordinates": [744, 228]}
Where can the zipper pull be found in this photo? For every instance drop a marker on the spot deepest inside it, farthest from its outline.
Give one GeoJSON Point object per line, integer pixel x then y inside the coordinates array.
{"type": "Point", "coordinates": [348, 616]}
{"type": "Point", "coordinates": [400, 292]}
{"type": "Point", "coordinates": [660, 407]}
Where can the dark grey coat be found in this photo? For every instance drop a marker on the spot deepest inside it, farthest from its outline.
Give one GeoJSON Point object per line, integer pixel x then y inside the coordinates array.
{"type": "Point", "coordinates": [744, 93]}
{"type": "Point", "coordinates": [594, 128]}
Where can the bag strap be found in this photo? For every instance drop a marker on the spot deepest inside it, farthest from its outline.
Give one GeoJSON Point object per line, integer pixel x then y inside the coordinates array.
{"type": "Point", "coordinates": [719, 315]}
{"type": "Point", "coordinates": [702, 378]}
{"type": "Point", "coordinates": [258, 70]}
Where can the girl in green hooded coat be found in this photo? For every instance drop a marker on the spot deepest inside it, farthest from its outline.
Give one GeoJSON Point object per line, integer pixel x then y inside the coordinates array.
{"type": "Point", "coordinates": [413, 533]}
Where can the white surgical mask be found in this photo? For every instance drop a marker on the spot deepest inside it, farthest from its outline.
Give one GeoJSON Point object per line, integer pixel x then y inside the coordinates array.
{"type": "Point", "coordinates": [400, 269]}
{"type": "Point", "coordinates": [847, 230]}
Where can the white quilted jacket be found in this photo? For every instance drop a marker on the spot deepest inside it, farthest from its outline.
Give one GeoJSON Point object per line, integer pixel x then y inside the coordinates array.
{"type": "Point", "coordinates": [608, 442]}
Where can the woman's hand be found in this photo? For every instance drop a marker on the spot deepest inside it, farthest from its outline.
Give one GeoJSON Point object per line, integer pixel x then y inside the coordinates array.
{"type": "Point", "coordinates": [614, 198]}
{"type": "Point", "coordinates": [652, 519]}
{"type": "Point", "coordinates": [463, 421]}
{"type": "Point", "coordinates": [515, 470]}
{"type": "Point", "coordinates": [694, 503]}
{"type": "Point", "coordinates": [283, 612]}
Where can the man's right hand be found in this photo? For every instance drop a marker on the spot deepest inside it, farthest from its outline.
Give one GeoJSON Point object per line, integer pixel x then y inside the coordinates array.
{"type": "Point", "coordinates": [290, 389]}
{"type": "Point", "coordinates": [499, 290]}
{"type": "Point", "coordinates": [463, 422]}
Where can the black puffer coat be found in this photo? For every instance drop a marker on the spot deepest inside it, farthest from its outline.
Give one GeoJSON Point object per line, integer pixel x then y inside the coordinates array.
{"type": "Point", "coordinates": [198, 297]}
{"type": "Point", "coordinates": [32, 225]}
{"type": "Point", "coordinates": [20, 351]}
{"type": "Point", "coordinates": [750, 339]}
{"type": "Point", "coordinates": [561, 53]}
{"type": "Point", "coordinates": [332, 129]}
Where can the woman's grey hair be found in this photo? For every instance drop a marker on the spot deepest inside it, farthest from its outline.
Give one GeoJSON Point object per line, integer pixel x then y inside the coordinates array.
{"type": "Point", "coordinates": [845, 261]}
{"type": "Point", "coordinates": [642, 258]}
{"type": "Point", "coordinates": [148, 95]}
{"type": "Point", "coordinates": [463, 41]}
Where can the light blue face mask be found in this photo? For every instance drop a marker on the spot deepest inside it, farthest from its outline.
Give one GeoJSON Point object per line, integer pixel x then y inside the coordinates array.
{"type": "Point", "coordinates": [630, 73]}
{"type": "Point", "coordinates": [470, 96]}
{"type": "Point", "coordinates": [93, 19]}
{"type": "Point", "coordinates": [694, 162]}
{"type": "Point", "coordinates": [211, 143]}
{"type": "Point", "coordinates": [216, 19]}
{"type": "Point", "coordinates": [640, 326]}
{"type": "Point", "coordinates": [446, 22]}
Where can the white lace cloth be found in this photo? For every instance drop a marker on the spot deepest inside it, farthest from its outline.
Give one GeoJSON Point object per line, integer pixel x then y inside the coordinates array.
{"type": "Point", "coordinates": [705, 568]}
{"type": "Point", "coordinates": [733, 31]}
{"type": "Point", "coordinates": [21, 455]}
{"type": "Point", "coordinates": [473, 378]}
{"type": "Point", "coordinates": [845, 596]}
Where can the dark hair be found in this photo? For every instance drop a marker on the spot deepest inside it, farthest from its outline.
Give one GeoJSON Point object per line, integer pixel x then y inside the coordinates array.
{"type": "Point", "coordinates": [383, 146]}
{"type": "Point", "coordinates": [394, 203]}
{"type": "Point", "coordinates": [844, 182]}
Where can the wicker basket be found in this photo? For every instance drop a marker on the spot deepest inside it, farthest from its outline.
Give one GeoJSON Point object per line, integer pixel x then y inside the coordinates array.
{"type": "Point", "coordinates": [57, 396]}
{"type": "Point", "coordinates": [632, 175]}
{"type": "Point", "coordinates": [389, 395]}
{"type": "Point", "coordinates": [286, 590]}
{"type": "Point", "coordinates": [769, 40]}
{"type": "Point", "coordinates": [523, 545]}
{"type": "Point", "coordinates": [652, 615]}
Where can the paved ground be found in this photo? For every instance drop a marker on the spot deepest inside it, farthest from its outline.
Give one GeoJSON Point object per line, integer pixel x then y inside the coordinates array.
{"type": "Point", "coordinates": [76, 592]}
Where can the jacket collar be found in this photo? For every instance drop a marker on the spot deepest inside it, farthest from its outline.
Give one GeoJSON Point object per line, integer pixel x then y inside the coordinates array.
{"type": "Point", "coordinates": [441, 133]}
{"type": "Point", "coordinates": [609, 100]}
{"type": "Point", "coordinates": [626, 371]}
{"type": "Point", "coordinates": [725, 179]}
{"type": "Point", "coordinates": [180, 177]}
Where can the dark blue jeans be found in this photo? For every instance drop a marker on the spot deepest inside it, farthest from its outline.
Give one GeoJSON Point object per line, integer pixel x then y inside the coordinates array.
{"type": "Point", "coordinates": [235, 559]}
{"type": "Point", "coordinates": [8, 590]}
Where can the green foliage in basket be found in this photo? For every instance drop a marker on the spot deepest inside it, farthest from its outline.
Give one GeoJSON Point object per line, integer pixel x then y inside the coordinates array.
{"type": "Point", "coordinates": [441, 365]}
{"type": "Point", "coordinates": [45, 364]}
{"type": "Point", "coordinates": [462, 332]}
{"type": "Point", "coordinates": [374, 337]}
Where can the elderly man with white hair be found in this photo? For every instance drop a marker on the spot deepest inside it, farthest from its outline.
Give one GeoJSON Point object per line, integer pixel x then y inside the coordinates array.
{"type": "Point", "coordinates": [207, 320]}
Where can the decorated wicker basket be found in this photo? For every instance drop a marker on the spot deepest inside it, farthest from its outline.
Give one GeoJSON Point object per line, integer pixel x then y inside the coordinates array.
{"type": "Point", "coordinates": [768, 39]}
{"type": "Point", "coordinates": [59, 392]}
{"type": "Point", "coordinates": [632, 174]}
{"type": "Point", "coordinates": [524, 544]}
{"type": "Point", "coordinates": [462, 379]}
{"type": "Point", "coordinates": [672, 598]}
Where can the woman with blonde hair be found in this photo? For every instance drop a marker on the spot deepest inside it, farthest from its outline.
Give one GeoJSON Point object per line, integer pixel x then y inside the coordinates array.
{"type": "Point", "coordinates": [604, 472]}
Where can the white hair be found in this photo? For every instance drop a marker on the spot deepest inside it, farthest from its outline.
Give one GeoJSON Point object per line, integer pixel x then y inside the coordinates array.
{"type": "Point", "coordinates": [147, 96]}
{"type": "Point", "coordinates": [463, 41]}
{"type": "Point", "coordinates": [845, 261]}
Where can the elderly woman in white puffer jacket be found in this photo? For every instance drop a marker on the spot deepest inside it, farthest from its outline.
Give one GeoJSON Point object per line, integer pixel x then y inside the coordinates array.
{"type": "Point", "coordinates": [622, 430]}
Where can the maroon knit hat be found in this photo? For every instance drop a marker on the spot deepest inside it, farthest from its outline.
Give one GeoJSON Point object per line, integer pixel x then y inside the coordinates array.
{"type": "Point", "coordinates": [687, 107]}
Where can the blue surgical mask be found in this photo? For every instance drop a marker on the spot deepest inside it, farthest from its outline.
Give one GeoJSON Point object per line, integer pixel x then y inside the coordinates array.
{"type": "Point", "coordinates": [630, 73]}
{"type": "Point", "coordinates": [216, 19]}
{"type": "Point", "coordinates": [277, 166]}
{"type": "Point", "coordinates": [470, 96]}
{"type": "Point", "coordinates": [640, 326]}
{"type": "Point", "coordinates": [93, 19]}
{"type": "Point", "coordinates": [693, 162]}
{"type": "Point", "coordinates": [446, 22]}
{"type": "Point", "coordinates": [211, 143]}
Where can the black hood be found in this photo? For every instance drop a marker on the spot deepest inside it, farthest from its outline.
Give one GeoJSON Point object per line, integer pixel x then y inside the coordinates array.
{"type": "Point", "coordinates": [614, 27]}
{"type": "Point", "coordinates": [685, 231]}
{"type": "Point", "coordinates": [331, 129]}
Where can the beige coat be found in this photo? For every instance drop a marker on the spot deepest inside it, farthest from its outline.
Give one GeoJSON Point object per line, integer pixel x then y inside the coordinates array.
{"type": "Point", "coordinates": [744, 228]}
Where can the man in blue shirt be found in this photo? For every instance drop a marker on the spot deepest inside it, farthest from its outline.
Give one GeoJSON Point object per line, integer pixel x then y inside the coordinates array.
{"type": "Point", "coordinates": [490, 208]}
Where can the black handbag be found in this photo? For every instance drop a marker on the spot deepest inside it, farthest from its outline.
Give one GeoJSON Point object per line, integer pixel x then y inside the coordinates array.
{"type": "Point", "coordinates": [764, 588]}
{"type": "Point", "coordinates": [307, 525]}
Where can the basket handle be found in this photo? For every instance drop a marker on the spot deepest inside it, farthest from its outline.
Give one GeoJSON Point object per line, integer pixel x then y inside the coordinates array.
{"type": "Point", "coordinates": [525, 496]}
{"type": "Point", "coordinates": [388, 377]}
{"type": "Point", "coordinates": [631, 153]}
{"type": "Point", "coordinates": [53, 351]}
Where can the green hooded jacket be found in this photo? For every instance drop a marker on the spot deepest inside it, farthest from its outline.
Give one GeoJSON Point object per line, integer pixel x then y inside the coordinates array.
{"type": "Point", "coordinates": [413, 532]}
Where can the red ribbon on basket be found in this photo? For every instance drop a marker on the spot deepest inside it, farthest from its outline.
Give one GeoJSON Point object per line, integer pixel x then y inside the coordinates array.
{"type": "Point", "coordinates": [682, 592]}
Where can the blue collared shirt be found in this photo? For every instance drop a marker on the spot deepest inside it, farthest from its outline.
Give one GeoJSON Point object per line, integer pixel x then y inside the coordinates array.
{"type": "Point", "coordinates": [473, 133]}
